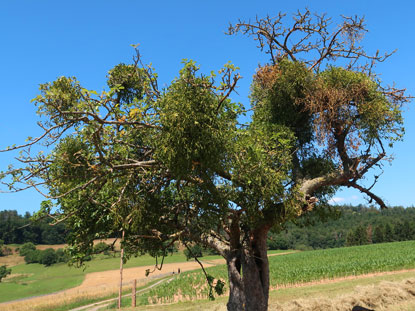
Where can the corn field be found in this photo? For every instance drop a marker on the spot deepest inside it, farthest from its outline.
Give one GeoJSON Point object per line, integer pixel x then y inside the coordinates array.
{"type": "Point", "coordinates": [297, 268]}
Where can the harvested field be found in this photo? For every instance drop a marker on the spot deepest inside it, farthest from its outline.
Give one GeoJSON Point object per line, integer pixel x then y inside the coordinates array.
{"type": "Point", "coordinates": [378, 297]}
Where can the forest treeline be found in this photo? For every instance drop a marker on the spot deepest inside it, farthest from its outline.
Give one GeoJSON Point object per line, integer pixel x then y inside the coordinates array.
{"type": "Point", "coordinates": [354, 225]}
{"type": "Point", "coordinates": [18, 229]}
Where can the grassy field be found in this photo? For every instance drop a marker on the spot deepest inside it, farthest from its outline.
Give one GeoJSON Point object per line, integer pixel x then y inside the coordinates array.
{"type": "Point", "coordinates": [299, 268]}
{"type": "Point", "coordinates": [35, 279]}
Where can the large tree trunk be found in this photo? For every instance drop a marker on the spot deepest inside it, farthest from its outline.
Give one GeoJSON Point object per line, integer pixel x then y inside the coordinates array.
{"type": "Point", "coordinates": [236, 287]}
{"type": "Point", "coordinates": [248, 272]}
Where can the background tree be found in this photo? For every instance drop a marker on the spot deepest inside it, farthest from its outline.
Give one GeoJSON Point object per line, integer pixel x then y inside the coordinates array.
{"type": "Point", "coordinates": [389, 234]}
{"type": "Point", "coordinates": [17, 229]}
{"type": "Point", "coordinates": [175, 165]}
{"type": "Point", "coordinates": [379, 234]}
{"type": "Point", "coordinates": [1, 248]}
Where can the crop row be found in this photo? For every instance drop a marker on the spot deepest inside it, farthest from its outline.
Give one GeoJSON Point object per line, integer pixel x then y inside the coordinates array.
{"type": "Point", "coordinates": [299, 268]}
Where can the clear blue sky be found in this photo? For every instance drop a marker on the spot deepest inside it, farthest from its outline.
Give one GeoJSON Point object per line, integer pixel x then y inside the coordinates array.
{"type": "Point", "coordinates": [41, 40]}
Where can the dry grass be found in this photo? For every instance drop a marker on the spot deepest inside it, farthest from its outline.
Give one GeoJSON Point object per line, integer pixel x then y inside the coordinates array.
{"type": "Point", "coordinates": [11, 260]}
{"type": "Point", "coordinates": [54, 246]}
{"type": "Point", "coordinates": [379, 297]}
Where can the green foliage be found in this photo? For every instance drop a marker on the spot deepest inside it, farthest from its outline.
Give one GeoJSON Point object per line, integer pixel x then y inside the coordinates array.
{"type": "Point", "coordinates": [128, 81]}
{"type": "Point", "coordinates": [194, 251]}
{"type": "Point", "coordinates": [26, 248]}
{"type": "Point", "coordinates": [275, 93]}
{"type": "Point", "coordinates": [196, 126]}
{"type": "Point", "coordinates": [4, 272]}
{"type": "Point", "coordinates": [48, 257]}
{"type": "Point", "coordinates": [33, 256]}
{"type": "Point", "coordinates": [65, 92]}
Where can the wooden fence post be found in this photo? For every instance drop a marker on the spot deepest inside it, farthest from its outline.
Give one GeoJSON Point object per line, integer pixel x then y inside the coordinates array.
{"type": "Point", "coordinates": [121, 270]}
{"type": "Point", "coordinates": [133, 295]}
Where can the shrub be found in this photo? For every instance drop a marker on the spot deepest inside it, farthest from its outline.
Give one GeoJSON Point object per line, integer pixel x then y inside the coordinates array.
{"type": "Point", "coordinates": [26, 248]}
{"type": "Point", "coordinates": [4, 272]}
{"type": "Point", "coordinates": [48, 257]}
{"type": "Point", "coordinates": [33, 256]}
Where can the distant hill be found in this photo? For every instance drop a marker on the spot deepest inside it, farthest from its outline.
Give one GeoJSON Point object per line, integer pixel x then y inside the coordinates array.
{"type": "Point", "coordinates": [354, 225]}
{"type": "Point", "coordinates": [350, 225]}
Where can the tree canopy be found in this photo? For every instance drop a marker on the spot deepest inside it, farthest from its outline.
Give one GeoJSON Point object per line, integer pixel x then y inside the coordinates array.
{"type": "Point", "coordinates": [176, 164]}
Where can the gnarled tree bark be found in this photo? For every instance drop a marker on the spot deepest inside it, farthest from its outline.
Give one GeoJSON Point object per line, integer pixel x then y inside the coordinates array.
{"type": "Point", "coordinates": [248, 270]}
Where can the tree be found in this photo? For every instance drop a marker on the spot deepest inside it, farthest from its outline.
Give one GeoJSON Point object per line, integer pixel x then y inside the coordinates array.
{"type": "Point", "coordinates": [360, 234]}
{"type": "Point", "coordinates": [351, 238]}
{"type": "Point", "coordinates": [1, 248]}
{"type": "Point", "coordinates": [379, 234]}
{"type": "Point", "coordinates": [176, 165]}
{"type": "Point", "coordinates": [369, 234]}
{"type": "Point", "coordinates": [4, 272]}
{"type": "Point", "coordinates": [389, 235]}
